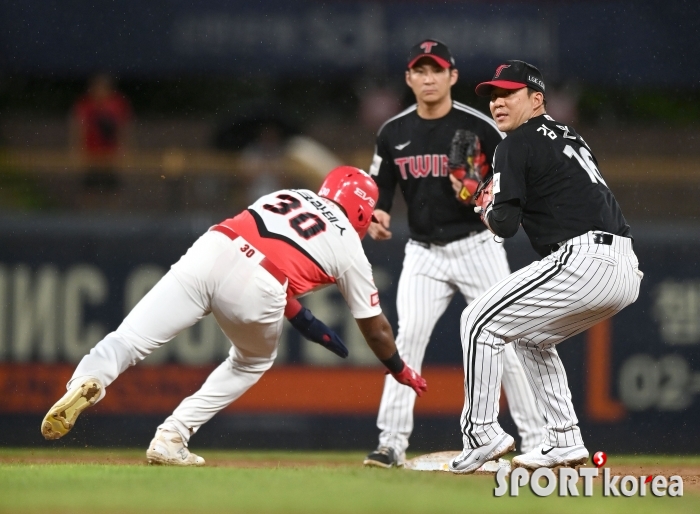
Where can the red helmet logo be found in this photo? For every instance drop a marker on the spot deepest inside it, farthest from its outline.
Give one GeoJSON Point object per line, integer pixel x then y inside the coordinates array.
{"type": "Point", "coordinates": [367, 198]}
{"type": "Point", "coordinates": [355, 191]}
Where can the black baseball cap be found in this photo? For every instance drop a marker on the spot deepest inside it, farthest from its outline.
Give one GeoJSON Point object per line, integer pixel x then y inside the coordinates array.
{"type": "Point", "coordinates": [436, 50]}
{"type": "Point", "coordinates": [513, 75]}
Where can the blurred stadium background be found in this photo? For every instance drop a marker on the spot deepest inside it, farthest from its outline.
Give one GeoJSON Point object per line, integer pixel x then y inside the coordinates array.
{"type": "Point", "coordinates": [217, 102]}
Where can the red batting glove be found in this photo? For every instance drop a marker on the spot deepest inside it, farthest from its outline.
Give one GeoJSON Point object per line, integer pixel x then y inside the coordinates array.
{"type": "Point", "coordinates": [408, 376]}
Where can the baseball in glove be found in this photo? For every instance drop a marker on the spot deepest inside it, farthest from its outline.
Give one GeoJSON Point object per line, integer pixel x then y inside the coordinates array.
{"type": "Point", "coordinates": [467, 163]}
{"type": "Point", "coordinates": [483, 200]}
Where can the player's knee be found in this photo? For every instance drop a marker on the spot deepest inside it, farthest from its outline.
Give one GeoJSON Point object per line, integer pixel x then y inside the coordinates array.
{"type": "Point", "coordinates": [248, 362]}
{"type": "Point", "coordinates": [469, 315]}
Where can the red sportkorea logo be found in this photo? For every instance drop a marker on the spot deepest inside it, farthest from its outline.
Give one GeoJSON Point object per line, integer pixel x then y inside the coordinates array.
{"type": "Point", "coordinates": [599, 459]}
{"type": "Point", "coordinates": [428, 46]}
{"type": "Point", "coordinates": [500, 69]}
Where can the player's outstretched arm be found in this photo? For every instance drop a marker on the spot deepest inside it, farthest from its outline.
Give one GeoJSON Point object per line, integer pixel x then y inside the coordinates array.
{"type": "Point", "coordinates": [380, 230]}
{"type": "Point", "coordinates": [380, 338]}
{"type": "Point", "coordinates": [314, 329]}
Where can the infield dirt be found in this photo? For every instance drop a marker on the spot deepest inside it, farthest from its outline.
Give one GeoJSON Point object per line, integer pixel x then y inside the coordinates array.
{"type": "Point", "coordinates": [687, 467]}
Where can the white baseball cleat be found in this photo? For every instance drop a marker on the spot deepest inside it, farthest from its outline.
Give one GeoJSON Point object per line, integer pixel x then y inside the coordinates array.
{"type": "Point", "coordinates": [61, 417]}
{"type": "Point", "coordinates": [169, 449]}
{"type": "Point", "coordinates": [551, 457]}
{"type": "Point", "coordinates": [472, 459]}
{"type": "Point", "coordinates": [440, 461]}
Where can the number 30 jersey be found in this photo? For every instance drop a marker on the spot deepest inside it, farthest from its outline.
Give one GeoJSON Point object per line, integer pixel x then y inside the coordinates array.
{"type": "Point", "coordinates": [312, 241]}
{"type": "Point", "coordinates": [550, 170]}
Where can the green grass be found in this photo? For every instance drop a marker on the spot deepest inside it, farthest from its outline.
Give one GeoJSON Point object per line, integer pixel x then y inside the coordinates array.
{"type": "Point", "coordinates": [290, 482]}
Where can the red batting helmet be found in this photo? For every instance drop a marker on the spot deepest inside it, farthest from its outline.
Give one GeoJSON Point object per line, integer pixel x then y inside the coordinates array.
{"type": "Point", "coordinates": [354, 191]}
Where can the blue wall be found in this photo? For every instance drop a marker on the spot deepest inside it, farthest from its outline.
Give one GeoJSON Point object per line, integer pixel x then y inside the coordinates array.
{"type": "Point", "coordinates": [599, 42]}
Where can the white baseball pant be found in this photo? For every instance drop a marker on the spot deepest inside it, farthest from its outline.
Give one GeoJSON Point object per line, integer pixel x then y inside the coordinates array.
{"type": "Point", "coordinates": [217, 275]}
{"type": "Point", "coordinates": [536, 308]}
{"type": "Point", "coordinates": [429, 279]}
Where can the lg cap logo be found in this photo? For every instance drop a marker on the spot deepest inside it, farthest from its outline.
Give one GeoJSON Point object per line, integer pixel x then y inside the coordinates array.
{"type": "Point", "coordinates": [427, 46]}
{"type": "Point", "coordinates": [500, 69]}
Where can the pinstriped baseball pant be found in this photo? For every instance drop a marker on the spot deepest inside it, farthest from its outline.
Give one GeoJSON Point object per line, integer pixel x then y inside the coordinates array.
{"type": "Point", "coordinates": [429, 279]}
{"type": "Point", "coordinates": [536, 308]}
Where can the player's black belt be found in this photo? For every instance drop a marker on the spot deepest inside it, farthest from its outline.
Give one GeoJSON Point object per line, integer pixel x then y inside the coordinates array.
{"type": "Point", "coordinates": [603, 239]}
{"type": "Point", "coordinates": [266, 263]}
{"type": "Point", "coordinates": [599, 239]}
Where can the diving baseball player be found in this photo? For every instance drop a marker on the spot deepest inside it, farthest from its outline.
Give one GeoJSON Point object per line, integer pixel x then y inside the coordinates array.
{"type": "Point", "coordinates": [246, 270]}
{"type": "Point", "coordinates": [449, 249]}
{"type": "Point", "coordinates": [546, 178]}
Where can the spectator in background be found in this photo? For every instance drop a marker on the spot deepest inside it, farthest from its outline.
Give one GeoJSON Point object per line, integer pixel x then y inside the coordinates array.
{"type": "Point", "coordinates": [562, 103]}
{"type": "Point", "coordinates": [378, 104]}
{"type": "Point", "coordinates": [100, 129]}
{"type": "Point", "coordinates": [264, 160]}
{"type": "Point", "coordinates": [274, 154]}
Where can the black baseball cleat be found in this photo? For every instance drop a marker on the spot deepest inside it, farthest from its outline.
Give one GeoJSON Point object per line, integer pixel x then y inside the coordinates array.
{"type": "Point", "coordinates": [383, 457]}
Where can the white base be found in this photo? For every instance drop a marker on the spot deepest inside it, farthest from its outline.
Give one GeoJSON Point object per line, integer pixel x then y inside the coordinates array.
{"type": "Point", "coordinates": [440, 461]}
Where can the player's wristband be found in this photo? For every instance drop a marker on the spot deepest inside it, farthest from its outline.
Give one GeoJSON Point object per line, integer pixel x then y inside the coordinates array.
{"type": "Point", "coordinates": [292, 308]}
{"type": "Point", "coordinates": [394, 363]}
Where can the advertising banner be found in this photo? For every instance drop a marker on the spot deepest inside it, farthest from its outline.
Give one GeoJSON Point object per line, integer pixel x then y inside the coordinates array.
{"type": "Point", "coordinates": [65, 283]}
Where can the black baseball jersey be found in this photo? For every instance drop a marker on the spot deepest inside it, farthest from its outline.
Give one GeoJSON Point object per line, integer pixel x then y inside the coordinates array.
{"type": "Point", "coordinates": [550, 169]}
{"type": "Point", "coordinates": [413, 152]}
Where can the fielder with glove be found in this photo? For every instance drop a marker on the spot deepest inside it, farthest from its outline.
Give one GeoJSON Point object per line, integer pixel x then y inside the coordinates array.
{"type": "Point", "coordinates": [588, 272]}
{"type": "Point", "coordinates": [449, 250]}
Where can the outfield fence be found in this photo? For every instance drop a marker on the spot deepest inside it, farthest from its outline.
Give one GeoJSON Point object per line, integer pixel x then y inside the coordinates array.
{"type": "Point", "coordinates": [65, 282]}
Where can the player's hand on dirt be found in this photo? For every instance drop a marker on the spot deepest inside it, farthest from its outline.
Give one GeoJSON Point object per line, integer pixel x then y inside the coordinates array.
{"type": "Point", "coordinates": [409, 377]}
{"type": "Point", "coordinates": [380, 230]}
{"type": "Point", "coordinates": [318, 332]}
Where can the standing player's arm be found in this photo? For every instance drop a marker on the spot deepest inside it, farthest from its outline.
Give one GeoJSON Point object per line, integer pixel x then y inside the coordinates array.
{"type": "Point", "coordinates": [313, 329]}
{"type": "Point", "coordinates": [383, 174]}
{"type": "Point", "coordinates": [380, 230]}
{"type": "Point", "coordinates": [380, 338]}
{"type": "Point", "coordinates": [456, 184]}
